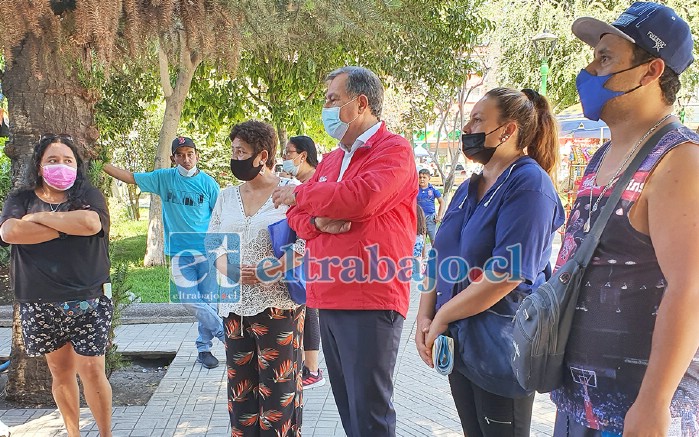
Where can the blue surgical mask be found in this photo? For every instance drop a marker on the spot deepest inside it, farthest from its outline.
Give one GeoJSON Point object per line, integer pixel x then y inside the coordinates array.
{"type": "Point", "coordinates": [291, 168]}
{"type": "Point", "coordinates": [335, 127]}
{"type": "Point", "coordinates": [186, 173]}
{"type": "Point", "coordinates": [594, 95]}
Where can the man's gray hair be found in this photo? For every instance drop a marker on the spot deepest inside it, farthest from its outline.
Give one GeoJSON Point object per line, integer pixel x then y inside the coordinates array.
{"type": "Point", "coordinates": [361, 80]}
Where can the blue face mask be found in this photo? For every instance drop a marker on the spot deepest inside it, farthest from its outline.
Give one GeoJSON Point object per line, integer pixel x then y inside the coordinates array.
{"type": "Point", "coordinates": [335, 127]}
{"type": "Point", "coordinates": [593, 94]}
{"type": "Point", "coordinates": [290, 167]}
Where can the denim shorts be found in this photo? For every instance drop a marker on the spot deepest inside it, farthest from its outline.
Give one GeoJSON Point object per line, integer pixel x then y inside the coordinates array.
{"type": "Point", "coordinates": [46, 327]}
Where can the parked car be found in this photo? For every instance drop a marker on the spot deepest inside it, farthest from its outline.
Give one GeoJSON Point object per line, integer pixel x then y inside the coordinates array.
{"type": "Point", "coordinates": [460, 175]}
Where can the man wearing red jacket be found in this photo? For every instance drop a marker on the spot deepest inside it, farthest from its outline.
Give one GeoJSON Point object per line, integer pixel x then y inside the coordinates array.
{"type": "Point", "coordinates": [358, 217]}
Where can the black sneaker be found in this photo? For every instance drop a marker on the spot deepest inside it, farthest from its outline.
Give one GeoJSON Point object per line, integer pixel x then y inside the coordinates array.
{"type": "Point", "coordinates": [207, 359]}
{"type": "Point", "coordinates": [310, 380]}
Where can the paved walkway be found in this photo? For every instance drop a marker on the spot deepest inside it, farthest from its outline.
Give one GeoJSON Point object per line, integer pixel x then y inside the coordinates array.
{"type": "Point", "coordinates": [191, 401]}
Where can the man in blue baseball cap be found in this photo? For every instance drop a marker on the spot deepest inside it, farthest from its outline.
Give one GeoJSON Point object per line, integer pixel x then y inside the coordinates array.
{"type": "Point", "coordinates": [188, 197]}
{"type": "Point", "coordinates": [632, 354]}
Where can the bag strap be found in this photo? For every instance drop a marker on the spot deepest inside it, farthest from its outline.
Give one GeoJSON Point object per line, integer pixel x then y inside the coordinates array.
{"type": "Point", "coordinates": [589, 244]}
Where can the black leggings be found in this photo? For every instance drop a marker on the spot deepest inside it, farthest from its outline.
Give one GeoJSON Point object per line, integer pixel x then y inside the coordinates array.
{"type": "Point", "coordinates": [311, 334]}
{"type": "Point", "coordinates": [484, 414]}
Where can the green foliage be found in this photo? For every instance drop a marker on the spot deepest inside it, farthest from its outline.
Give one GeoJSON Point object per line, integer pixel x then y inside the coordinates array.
{"type": "Point", "coordinates": [423, 46]}
{"type": "Point", "coordinates": [285, 89]}
{"type": "Point", "coordinates": [127, 246]}
{"type": "Point", "coordinates": [432, 50]}
{"type": "Point", "coordinates": [288, 86]}
{"type": "Point", "coordinates": [113, 359]}
{"type": "Point", "coordinates": [129, 119]}
{"type": "Point", "coordinates": [280, 75]}
{"type": "Point", "coordinates": [519, 64]}
{"type": "Point", "coordinates": [97, 177]}
{"type": "Point", "coordinates": [151, 284]}
{"type": "Point", "coordinates": [127, 98]}
{"type": "Point", "coordinates": [5, 174]}
{"type": "Point", "coordinates": [431, 42]}
{"type": "Point", "coordinates": [4, 255]}
{"type": "Point", "coordinates": [690, 12]}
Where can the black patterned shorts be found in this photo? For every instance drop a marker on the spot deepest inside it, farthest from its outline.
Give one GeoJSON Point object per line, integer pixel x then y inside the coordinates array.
{"type": "Point", "coordinates": [46, 327]}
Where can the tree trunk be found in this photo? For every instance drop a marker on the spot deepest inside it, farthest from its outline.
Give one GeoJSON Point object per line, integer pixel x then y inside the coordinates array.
{"type": "Point", "coordinates": [282, 136]}
{"type": "Point", "coordinates": [29, 379]}
{"type": "Point", "coordinates": [44, 95]}
{"type": "Point", "coordinates": [174, 102]}
{"type": "Point", "coordinates": [134, 197]}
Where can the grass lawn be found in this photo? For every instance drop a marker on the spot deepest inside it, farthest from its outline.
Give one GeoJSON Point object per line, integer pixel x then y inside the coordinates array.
{"type": "Point", "coordinates": [128, 244]}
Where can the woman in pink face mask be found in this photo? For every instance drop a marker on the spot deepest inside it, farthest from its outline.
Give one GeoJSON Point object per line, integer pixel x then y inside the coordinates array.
{"type": "Point", "coordinates": [59, 231]}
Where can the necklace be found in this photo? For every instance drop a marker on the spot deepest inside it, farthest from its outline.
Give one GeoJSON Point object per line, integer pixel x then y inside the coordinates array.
{"type": "Point", "coordinates": [594, 207]}
{"type": "Point", "coordinates": [51, 204]}
{"type": "Point", "coordinates": [58, 205]}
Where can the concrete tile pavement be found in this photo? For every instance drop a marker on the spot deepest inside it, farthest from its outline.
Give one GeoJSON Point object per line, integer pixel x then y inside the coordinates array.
{"type": "Point", "coordinates": [191, 401]}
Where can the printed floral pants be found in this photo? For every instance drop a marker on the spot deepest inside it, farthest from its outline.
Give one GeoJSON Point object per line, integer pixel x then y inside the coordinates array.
{"type": "Point", "coordinates": [264, 363]}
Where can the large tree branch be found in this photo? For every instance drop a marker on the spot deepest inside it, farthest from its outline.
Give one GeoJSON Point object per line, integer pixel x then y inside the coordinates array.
{"type": "Point", "coordinates": [195, 59]}
{"type": "Point", "coordinates": [183, 48]}
{"type": "Point", "coordinates": [444, 114]}
{"type": "Point", "coordinates": [312, 94]}
{"type": "Point", "coordinates": [255, 96]}
{"type": "Point", "coordinates": [164, 67]}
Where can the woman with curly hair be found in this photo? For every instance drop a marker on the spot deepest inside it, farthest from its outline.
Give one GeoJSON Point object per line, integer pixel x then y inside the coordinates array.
{"type": "Point", "coordinates": [264, 327]}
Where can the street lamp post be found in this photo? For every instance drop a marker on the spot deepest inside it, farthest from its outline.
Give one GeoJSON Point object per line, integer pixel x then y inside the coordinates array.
{"type": "Point", "coordinates": [544, 43]}
{"type": "Point", "coordinates": [684, 101]}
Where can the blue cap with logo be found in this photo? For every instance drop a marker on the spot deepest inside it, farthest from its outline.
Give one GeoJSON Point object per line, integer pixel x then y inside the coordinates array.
{"type": "Point", "coordinates": [182, 142]}
{"type": "Point", "coordinates": [655, 28]}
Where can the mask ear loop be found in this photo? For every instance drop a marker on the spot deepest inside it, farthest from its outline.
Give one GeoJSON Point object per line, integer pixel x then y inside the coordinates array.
{"type": "Point", "coordinates": [355, 118]}
{"type": "Point", "coordinates": [625, 70]}
{"type": "Point", "coordinates": [501, 140]}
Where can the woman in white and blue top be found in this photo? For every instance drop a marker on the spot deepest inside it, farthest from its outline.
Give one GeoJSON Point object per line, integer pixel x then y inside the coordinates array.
{"type": "Point", "coordinates": [264, 328]}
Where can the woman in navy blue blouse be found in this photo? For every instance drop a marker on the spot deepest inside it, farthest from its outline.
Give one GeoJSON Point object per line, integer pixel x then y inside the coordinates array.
{"type": "Point", "coordinates": [492, 249]}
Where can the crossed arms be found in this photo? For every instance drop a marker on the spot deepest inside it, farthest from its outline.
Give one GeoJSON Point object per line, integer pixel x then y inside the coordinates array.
{"type": "Point", "coordinates": [40, 227]}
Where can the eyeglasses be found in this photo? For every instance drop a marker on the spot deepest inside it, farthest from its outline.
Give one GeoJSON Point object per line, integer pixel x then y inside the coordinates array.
{"type": "Point", "coordinates": [240, 154]}
{"type": "Point", "coordinates": [56, 136]}
{"type": "Point", "coordinates": [289, 152]}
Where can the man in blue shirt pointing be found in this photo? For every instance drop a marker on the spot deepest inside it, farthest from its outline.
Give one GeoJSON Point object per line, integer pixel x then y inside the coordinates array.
{"type": "Point", "coordinates": [188, 196]}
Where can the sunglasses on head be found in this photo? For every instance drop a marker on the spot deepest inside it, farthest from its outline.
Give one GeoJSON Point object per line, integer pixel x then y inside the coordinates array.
{"type": "Point", "coordinates": [56, 136]}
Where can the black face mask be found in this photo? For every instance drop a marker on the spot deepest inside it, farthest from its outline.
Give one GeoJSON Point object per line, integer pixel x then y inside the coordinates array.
{"type": "Point", "coordinates": [242, 169]}
{"type": "Point", "coordinates": [473, 146]}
